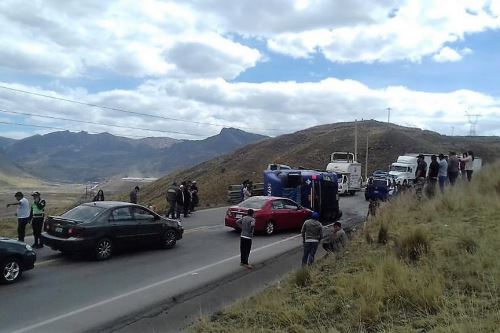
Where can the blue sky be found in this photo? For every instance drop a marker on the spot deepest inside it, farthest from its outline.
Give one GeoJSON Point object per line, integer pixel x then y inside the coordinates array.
{"type": "Point", "coordinates": [279, 65]}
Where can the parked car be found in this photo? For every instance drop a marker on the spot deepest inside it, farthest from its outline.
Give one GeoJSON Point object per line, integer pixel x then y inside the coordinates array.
{"type": "Point", "coordinates": [100, 227]}
{"type": "Point", "coordinates": [379, 188]}
{"type": "Point", "coordinates": [271, 214]}
{"type": "Point", "coordinates": [15, 258]}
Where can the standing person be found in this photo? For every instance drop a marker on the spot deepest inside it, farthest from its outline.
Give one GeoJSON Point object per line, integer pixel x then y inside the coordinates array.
{"type": "Point", "coordinates": [463, 174]}
{"type": "Point", "coordinates": [187, 200]}
{"type": "Point", "coordinates": [172, 200]}
{"type": "Point", "coordinates": [433, 176]}
{"type": "Point", "coordinates": [420, 174]}
{"type": "Point", "coordinates": [246, 193]}
{"type": "Point", "coordinates": [38, 215]}
{"type": "Point", "coordinates": [247, 226]}
{"type": "Point", "coordinates": [180, 201]}
{"type": "Point", "coordinates": [99, 196]}
{"type": "Point", "coordinates": [194, 196]}
{"type": "Point", "coordinates": [443, 172]}
{"type": "Point", "coordinates": [453, 167]}
{"type": "Point", "coordinates": [469, 164]}
{"type": "Point", "coordinates": [134, 195]}
{"type": "Point", "coordinates": [312, 232]}
{"type": "Point", "coordinates": [22, 213]}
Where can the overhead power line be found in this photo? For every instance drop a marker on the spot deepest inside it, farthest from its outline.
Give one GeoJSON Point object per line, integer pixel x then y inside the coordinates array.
{"type": "Point", "coordinates": [128, 111]}
{"type": "Point", "coordinates": [95, 123]}
{"type": "Point", "coordinates": [59, 128]}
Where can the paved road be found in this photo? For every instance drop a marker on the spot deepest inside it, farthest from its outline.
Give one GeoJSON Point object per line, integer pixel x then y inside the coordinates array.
{"type": "Point", "coordinates": [68, 294]}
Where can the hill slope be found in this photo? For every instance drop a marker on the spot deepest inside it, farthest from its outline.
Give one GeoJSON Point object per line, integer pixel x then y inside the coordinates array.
{"type": "Point", "coordinates": [11, 176]}
{"type": "Point", "coordinates": [428, 267]}
{"type": "Point", "coordinates": [311, 148]}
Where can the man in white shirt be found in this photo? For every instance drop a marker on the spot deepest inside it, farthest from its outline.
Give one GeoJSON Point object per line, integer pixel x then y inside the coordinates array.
{"type": "Point", "coordinates": [23, 214]}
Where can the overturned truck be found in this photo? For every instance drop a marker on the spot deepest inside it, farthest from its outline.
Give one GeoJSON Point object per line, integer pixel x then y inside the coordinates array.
{"type": "Point", "coordinates": [316, 190]}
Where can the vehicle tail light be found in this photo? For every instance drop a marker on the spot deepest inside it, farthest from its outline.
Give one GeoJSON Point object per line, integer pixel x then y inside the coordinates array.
{"type": "Point", "coordinates": [73, 232]}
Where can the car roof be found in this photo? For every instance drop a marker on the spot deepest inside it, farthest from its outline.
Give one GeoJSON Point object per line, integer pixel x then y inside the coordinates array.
{"type": "Point", "coordinates": [109, 204]}
{"type": "Point", "coordinates": [269, 197]}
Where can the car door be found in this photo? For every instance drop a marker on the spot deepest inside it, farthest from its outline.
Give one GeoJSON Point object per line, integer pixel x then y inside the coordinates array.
{"type": "Point", "coordinates": [124, 228]}
{"type": "Point", "coordinates": [295, 214]}
{"type": "Point", "coordinates": [148, 224]}
{"type": "Point", "coordinates": [279, 214]}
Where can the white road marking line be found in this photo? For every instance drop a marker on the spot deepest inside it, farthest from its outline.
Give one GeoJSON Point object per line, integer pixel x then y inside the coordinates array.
{"type": "Point", "coordinates": [45, 262]}
{"type": "Point", "coordinates": [139, 290]}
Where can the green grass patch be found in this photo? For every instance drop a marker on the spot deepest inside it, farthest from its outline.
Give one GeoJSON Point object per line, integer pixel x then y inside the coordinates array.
{"type": "Point", "coordinates": [429, 266]}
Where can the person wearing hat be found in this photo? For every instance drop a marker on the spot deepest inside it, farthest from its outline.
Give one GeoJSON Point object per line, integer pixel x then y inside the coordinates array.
{"type": "Point", "coordinates": [22, 213]}
{"type": "Point", "coordinates": [38, 215]}
{"type": "Point", "coordinates": [312, 232]}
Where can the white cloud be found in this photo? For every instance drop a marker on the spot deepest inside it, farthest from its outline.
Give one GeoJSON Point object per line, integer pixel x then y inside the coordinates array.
{"type": "Point", "coordinates": [447, 54]}
{"type": "Point", "coordinates": [270, 108]}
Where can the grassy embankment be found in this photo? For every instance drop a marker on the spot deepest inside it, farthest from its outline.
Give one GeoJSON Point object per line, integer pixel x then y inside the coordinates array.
{"type": "Point", "coordinates": [428, 267]}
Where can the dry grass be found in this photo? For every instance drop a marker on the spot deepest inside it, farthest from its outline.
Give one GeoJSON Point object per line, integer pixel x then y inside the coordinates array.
{"type": "Point", "coordinates": [436, 270]}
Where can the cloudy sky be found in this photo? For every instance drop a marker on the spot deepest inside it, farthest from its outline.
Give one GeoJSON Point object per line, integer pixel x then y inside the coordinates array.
{"type": "Point", "coordinates": [187, 68]}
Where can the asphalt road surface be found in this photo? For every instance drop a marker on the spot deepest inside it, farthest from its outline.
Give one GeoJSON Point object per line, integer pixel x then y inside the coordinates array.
{"type": "Point", "coordinates": [74, 294]}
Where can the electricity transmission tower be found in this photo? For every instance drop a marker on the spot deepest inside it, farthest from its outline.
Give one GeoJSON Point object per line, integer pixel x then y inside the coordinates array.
{"type": "Point", "coordinates": [473, 118]}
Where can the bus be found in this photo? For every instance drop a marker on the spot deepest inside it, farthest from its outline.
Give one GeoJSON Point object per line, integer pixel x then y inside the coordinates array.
{"type": "Point", "coordinates": [315, 190]}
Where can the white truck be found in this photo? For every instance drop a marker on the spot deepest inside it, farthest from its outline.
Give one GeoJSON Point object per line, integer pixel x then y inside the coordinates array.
{"type": "Point", "coordinates": [403, 170]}
{"type": "Point", "coordinates": [348, 172]}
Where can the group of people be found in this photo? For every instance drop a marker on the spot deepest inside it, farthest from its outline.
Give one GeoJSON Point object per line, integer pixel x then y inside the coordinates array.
{"type": "Point", "coordinates": [312, 235]}
{"type": "Point", "coordinates": [182, 199]}
{"type": "Point", "coordinates": [26, 214]}
{"type": "Point", "coordinates": [443, 170]}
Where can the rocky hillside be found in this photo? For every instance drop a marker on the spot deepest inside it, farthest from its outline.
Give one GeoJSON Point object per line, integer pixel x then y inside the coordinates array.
{"type": "Point", "coordinates": [311, 148]}
{"type": "Point", "coordinates": [80, 157]}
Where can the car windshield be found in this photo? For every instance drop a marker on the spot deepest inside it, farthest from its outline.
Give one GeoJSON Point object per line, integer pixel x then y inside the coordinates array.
{"type": "Point", "coordinates": [254, 203]}
{"type": "Point", "coordinates": [83, 213]}
{"type": "Point", "coordinates": [399, 168]}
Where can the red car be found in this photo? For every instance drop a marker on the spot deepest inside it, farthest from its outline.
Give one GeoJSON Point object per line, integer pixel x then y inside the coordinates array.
{"type": "Point", "coordinates": [271, 214]}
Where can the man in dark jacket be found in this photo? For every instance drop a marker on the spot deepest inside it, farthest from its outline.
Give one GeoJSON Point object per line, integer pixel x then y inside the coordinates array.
{"type": "Point", "coordinates": [172, 200]}
{"type": "Point", "coordinates": [134, 195]}
{"type": "Point", "coordinates": [187, 199]}
{"type": "Point", "coordinates": [433, 176]}
{"type": "Point", "coordinates": [312, 232]}
{"type": "Point", "coordinates": [453, 167]}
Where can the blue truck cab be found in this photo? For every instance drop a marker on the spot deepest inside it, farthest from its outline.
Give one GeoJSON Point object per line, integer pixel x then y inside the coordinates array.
{"type": "Point", "coordinates": [316, 190]}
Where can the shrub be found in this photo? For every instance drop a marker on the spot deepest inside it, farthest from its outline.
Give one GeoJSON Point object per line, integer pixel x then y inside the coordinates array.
{"type": "Point", "coordinates": [413, 246]}
{"type": "Point", "coordinates": [383, 234]}
{"type": "Point", "coordinates": [302, 277]}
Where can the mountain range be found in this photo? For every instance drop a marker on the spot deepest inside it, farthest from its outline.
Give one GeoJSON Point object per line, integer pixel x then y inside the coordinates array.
{"type": "Point", "coordinates": [79, 157]}
{"type": "Point", "coordinates": [311, 148]}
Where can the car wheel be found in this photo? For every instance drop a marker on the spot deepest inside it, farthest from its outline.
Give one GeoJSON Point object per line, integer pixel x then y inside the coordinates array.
{"type": "Point", "coordinates": [103, 249]}
{"type": "Point", "coordinates": [270, 228]}
{"type": "Point", "coordinates": [169, 239]}
{"type": "Point", "coordinates": [11, 270]}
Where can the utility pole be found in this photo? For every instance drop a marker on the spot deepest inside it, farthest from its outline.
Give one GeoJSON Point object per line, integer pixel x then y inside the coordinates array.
{"type": "Point", "coordinates": [366, 159]}
{"type": "Point", "coordinates": [388, 115]}
{"type": "Point", "coordinates": [356, 140]}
